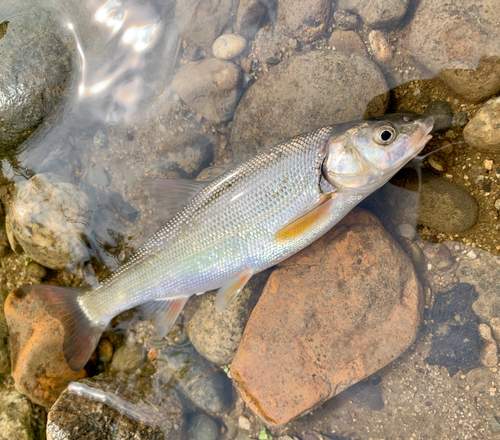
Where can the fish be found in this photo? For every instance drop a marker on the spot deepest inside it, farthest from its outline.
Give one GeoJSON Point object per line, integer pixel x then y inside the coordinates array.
{"type": "Point", "coordinates": [247, 220]}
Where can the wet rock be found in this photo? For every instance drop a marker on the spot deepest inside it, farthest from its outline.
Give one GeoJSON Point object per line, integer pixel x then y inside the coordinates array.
{"type": "Point", "coordinates": [441, 110]}
{"type": "Point", "coordinates": [346, 20]}
{"type": "Point", "coordinates": [202, 427]}
{"type": "Point", "coordinates": [48, 216]}
{"type": "Point", "coordinates": [305, 20]}
{"type": "Point", "coordinates": [228, 46]}
{"type": "Point", "coordinates": [35, 73]}
{"type": "Point", "coordinates": [35, 271]}
{"type": "Point", "coordinates": [459, 41]}
{"type": "Point", "coordinates": [489, 351]}
{"type": "Point", "coordinates": [128, 358]}
{"type": "Point", "coordinates": [456, 343]}
{"type": "Point", "coordinates": [38, 364]}
{"type": "Point", "coordinates": [382, 51]}
{"type": "Point", "coordinates": [303, 93]}
{"type": "Point", "coordinates": [16, 416]}
{"type": "Point", "coordinates": [483, 131]}
{"type": "Point", "coordinates": [202, 21]}
{"type": "Point", "coordinates": [200, 381]}
{"type": "Point", "coordinates": [365, 395]}
{"type": "Point", "coordinates": [125, 413]}
{"type": "Point", "coordinates": [210, 87]}
{"type": "Point", "coordinates": [217, 335]}
{"type": "Point", "coordinates": [377, 13]}
{"type": "Point", "coordinates": [331, 315]}
{"type": "Point", "coordinates": [99, 177]}
{"type": "Point", "coordinates": [347, 41]}
{"type": "Point", "coordinates": [249, 16]}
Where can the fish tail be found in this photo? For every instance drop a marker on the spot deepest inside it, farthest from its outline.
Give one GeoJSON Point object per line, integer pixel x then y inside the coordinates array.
{"type": "Point", "coordinates": [81, 335]}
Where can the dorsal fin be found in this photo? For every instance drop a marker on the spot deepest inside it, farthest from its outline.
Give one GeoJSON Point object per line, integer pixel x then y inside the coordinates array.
{"type": "Point", "coordinates": [170, 196]}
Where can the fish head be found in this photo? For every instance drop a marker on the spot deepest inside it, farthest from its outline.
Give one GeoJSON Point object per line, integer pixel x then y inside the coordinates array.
{"type": "Point", "coordinates": [365, 156]}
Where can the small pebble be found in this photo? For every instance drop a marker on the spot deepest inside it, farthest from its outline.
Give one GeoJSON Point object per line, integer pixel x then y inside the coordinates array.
{"type": "Point", "coordinates": [36, 271]}
{"type": "Point", "coordinates": [228, 46]}
{"type": "Point", "coordinates": [471, 255]}
{"type": "Point", "coordinates": [488, 164]}
{"type": "Point", "coordinates": [382, 51]}
{"type": "Point", "coordinates": [447, 149]}
{"type": "Point", "coordinates": [435, 163]}
{"type": "Point", "coordinates": [497, 204]}
{"type": "Point", "coordinates": [346, 21]}
{"type": "Point", "coordinates": [489, 351]}
{"type": "Point", "coordinates": [105, 350]}
{"type": "Point", "coordinates": [128, 358]}
{"type": "Point", "coordinates": [244, 423]}
{"type": "Point", "coordinates": [202, 427]}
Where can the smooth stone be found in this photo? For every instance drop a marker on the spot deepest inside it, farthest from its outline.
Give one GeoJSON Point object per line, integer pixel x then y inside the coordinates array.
{"type": "Point", "coordinates": [210, 87]}
{"type": "Point", "coordinates": [202, 427]}
{"type": "Point", "coordinates": [329, 316]}
{"type": "Point", "coordinates": [202, 21]}
{"type": "Point", "coordinates": [346, 20]}
{"type": "Point", "coordinates": [228, 46]}
{"type": "Point", "coordinates": [249, 16]}
{"type": "Point", "coordinates": [483, 130]}
{"type": "Point", "coordinates": [305, 20]}
{"type": "Point", "coordinates": [382, 51]}
{"type": "Point", "coordinates": [217, 335]}
{"type": "Point", "coordinates": [303, 93]}
{"type": "Point", "coordinates": [36, 73]}
{"type": "Point", "coordinates": [16, 417]}
{"type": "Point", "coordinates": [36, 338]}
{"type": "Point", "coordinates": [459, 41]}
{"type": "Point", "coordinates": [35, 271]}
{"type": "Point", "coordinates": [441, 110]}
{"type": "Point", "coordinates": [377, 13]}
{"type": "Point", "coordinates": [128, 358]}
{"type": "Point", "coordinates": [201, 382]}
{"type": "Point", "coordinates": [347, 41]}
{"type": "Point", "coordinates": [126, 414]}
{"type": "Point", "coordinates": [47, 216]}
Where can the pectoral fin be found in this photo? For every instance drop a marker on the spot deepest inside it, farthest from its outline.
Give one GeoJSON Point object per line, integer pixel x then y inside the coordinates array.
{"type": "Point", "coordinates": [306, 222]}
{"type": "Point", "coordinates": [230, 291]}
{"type": "Point", "coordinates": [164, 312]}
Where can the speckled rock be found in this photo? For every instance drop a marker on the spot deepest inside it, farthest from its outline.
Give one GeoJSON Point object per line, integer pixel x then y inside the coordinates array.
{"type": "Point", "coordinates": [217, 335]}
{"type": "Point", "coordinates": [305, 20]}
{"type": "Point", "coordinates": [210, 86]}
{"type": "Point", "coordinates": [382, 51]}
{"type": "Point", "coordinates": [489, 351]}
{"type": "Point", "coordinates": [16, 417]}
{"type": "Point", "coordinates": [346, 20]}
{"type": "Point", "coordinates": [303, 93]}
{"type": "Point", "coordinates": [200, 381]}
{"type": "Point", "coordinates": [249, 16]}
{"type": "Point", "coordinates": [331, 315]}
{"type": "Point", "coordinates": [35, 73]}
{"type": "Point", "coordinates": [128, 358]}
{"type": "Point", "coordinates": [228, 46]}
{"type": "Point", "coordinates": [377, 13]}
{"type": "Point", "coordinates": [202, 21]}
{"type": "Point", "coordinates": [459, 40]}
{"type": "Point", "coordinates": [348, 41]}
{"type": "Point", "coordinates": [126, 413]}
{"type": "Point", "coordinates": [47, 217]}
{"type": "Point", "coordinates": [36, 338]}
{"type": "Point", "coordinates": [483, 131]}
{"type": "Point", "coordinates": [202, 427]}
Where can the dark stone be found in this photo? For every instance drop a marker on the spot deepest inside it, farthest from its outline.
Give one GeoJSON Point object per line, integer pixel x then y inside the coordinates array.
{"type": "Point", "coordinates": [366, 395]}
{"type": "Point", "coordinates": [441, 110]}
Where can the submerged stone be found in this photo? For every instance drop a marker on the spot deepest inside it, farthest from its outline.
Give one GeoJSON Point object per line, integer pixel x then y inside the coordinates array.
{"type": "Point", "coordinates": [305, 20]}
{"type": "Point", "coordinates": [328, 317]}
{"type": "Point", "coordinates": [483, 130]}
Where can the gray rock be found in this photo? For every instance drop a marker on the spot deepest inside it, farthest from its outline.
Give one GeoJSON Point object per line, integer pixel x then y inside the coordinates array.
{"type": "Point", "coordinates": [455, 40]}
{"type": "Point", "coordinates": [109, 410]}
{"type": "Point", "coordinates": [217, 335]}
{"type": "Point", "coordinates": [200, 381]}
{"type": "Point", "coordinates": [36, 73]}
{"type": "Point", "coordinates": [348, 41]}
{"type": "Point", "coordinates": [98, 177]}
{"type": "Point", "coordinates": [483, 131]}
{"type": "Point", "coordinates": [16, 416]}
{"type": "Point", "coordinates": [249, 16]}
{"type": "Point", "coordinates": [47, 217]}
{"type": "Point", "coordinates": [202, 21]}
{"type": "Point", "coordinates": [128, 358]}
{"type": "Point", "coordinates": [441, 110]}
{"type": "Point", "coordinates": [228, 46]}
{"type": "Point", "coordinates": [303, 93]}
{"type": "Point", "coordinates": [305, 20]}
{"type": "Point", "coordinates": [377, 13]}
{"type": "Point", "coordinates": [202, 427]}
{"type": "Point", "coordinates": [210, 87]}
{"type": "Point", "coordinates": [346, 20]}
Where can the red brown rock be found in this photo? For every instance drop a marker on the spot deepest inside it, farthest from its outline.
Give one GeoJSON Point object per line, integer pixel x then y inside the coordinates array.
{"type": "Point", "coordinates": [36, 338]}
{"type": "Point", "coordinates": [333, 314]}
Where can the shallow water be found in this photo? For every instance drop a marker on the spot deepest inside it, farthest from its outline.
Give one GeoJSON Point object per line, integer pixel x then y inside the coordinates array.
{"type": "Point", "coordinates": [114, 119]}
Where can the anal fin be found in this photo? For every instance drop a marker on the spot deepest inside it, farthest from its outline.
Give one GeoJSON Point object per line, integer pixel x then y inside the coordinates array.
{"type": "Point", "coordinates": [231, 290]}
{"type": "Point", "coordinates": [164, 312]}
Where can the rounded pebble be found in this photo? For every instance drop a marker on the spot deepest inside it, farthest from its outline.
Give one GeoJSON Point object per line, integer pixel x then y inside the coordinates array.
{"type": "Point", "coordinates": [128, 358]}
{"type": "Point", "coordinates": [202, 427]}
{"type": "Point", "coordinates": [105, 350]}
{"type": "Point", "coordinates": [483, 131]}
{"type": "Point", "coordinates": [346, 20]}
{"type": "Point", "coordinates": [228, 46]}
{"type": "Point", "coordinates": [382, 51]}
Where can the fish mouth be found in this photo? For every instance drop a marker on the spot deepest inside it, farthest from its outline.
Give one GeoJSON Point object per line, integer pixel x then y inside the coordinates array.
{"type": "Point", "coordinates": [420, 142]}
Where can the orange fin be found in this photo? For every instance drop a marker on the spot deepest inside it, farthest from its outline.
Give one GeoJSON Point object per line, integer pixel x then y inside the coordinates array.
{"type": "Point", "coordinates": [230, 291]}
{"type": "Point", "coordinates": [306, 222]}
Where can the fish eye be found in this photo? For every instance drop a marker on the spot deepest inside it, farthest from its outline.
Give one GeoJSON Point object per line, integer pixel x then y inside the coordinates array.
{"type": "Point", "coordinates": [384, 134]}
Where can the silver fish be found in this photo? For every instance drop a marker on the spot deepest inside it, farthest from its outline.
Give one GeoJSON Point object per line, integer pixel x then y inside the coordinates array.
{"type": "Point", "coordinates": [245, 221]}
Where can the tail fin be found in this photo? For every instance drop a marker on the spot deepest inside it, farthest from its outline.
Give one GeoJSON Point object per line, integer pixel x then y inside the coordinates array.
{"type": "Point", "coordinates": [81, 334]}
